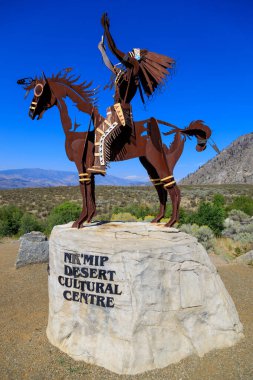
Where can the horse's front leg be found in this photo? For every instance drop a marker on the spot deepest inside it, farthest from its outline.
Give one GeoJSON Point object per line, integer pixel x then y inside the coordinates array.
{"type": "Point", "coordinates": [165, 182]}
{"type": "Point", "coordinates": [91, 203]}
{"type": "Point", "coordinates": [162, 194]}
{"type": "Point", "coordinates": [83, 188]}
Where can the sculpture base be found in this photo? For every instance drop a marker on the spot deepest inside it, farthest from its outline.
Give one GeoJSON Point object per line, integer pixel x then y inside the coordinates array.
{"type": "Point", "coordinates": [133, 297]}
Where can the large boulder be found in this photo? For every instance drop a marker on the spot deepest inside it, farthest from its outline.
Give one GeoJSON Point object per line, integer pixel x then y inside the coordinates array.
{"type": "Point", "coordinates": [34, 248]}
{"type": "Point", "coordinates": [247, 258]}
{"type": "Point", "coordinates": [132, 297]}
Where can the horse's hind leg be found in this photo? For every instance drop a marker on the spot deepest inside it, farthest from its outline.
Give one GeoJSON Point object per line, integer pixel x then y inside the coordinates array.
{"type": "Point", "coordinates": [162, 194]}
{"type": "Point", "coordinates": [175, 197]}
{"type": "Point", "coordinates": [89, 206]}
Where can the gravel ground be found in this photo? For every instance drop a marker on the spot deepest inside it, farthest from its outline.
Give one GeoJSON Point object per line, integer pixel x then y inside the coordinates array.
{"type": "Point", "coordinates": [25, 352]}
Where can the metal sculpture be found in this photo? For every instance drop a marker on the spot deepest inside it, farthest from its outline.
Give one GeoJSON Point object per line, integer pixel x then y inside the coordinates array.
{"type": "Point", "coordinates": [139, 69]}
{"type": "Point", "coordinates": [117, 137]}
{"type": "Point", "coordinates": [142, 139]}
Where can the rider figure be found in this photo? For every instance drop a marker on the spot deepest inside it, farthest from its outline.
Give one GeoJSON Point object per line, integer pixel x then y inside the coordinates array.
{"type": "Point", "coordinates": [140, 67]}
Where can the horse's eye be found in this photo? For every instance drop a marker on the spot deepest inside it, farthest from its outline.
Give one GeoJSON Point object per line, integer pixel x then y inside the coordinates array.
{"type": "Point", "coordinates": [38, 89]}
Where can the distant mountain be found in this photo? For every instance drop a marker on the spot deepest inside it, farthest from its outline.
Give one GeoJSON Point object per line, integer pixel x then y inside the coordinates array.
{"type": "Point", "coordinates": [20, 178]}
{"type": "Point", "coordinates": [233, 165]}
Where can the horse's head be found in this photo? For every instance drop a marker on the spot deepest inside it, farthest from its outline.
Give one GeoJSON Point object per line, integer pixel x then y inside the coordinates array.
{"type": "Point", "coordinates": [201, 144]}
{"type": "Point", "coordinates": [201, 131]}
{"type": "Point", "coordinates": [43, 97]}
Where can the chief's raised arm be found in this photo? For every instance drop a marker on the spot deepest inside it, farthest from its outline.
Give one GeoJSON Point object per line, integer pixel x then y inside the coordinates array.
{"type": "Point", "coordinates": [106, 60]}
{"type": "Point", "coordinates": [128, 61]}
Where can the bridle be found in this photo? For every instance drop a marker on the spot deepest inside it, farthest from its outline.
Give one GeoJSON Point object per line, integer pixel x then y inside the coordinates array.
{"type": "Point", "coordinates": [38, 91]}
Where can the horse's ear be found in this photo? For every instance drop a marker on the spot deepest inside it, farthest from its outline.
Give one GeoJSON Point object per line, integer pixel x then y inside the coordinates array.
{"type": "Point", "coordinates": [44, 76]}
{"type": "Point", "coordinates": [47, 85]}
{"type": "Point", "coordinates": [47, 82]}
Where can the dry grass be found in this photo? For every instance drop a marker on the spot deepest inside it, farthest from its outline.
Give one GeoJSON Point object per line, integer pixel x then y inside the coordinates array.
{"type": "Point", "coordinates": [229, 248]}
{"type": "Point", "coordinates": [40, 201]}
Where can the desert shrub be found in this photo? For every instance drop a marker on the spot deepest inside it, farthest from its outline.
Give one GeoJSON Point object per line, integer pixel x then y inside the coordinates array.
{"type": "Point", "coordinates": [10, 217]}
{"type": "Point", "coordinates": [137, 210]}
{"type": "Point", "coordinates": [193, 203]}
{"type": "Point", "coordinates": [124, 217]}
{"type": "Point", "coordinates": [63, 213]}
{"type": "Point", "coordinates": [229, 248]}
{"type": "Point", "coordinates": [218, 200]}
{"type": "Point", "coordinates": [164, 220]}
{"type": "Point", "coordinates": [29, 223]}
{"type": "Point", "coordinates": [102, 217]}
{"type": "Point", "coordinates": [210, 215]}
{"type": "Point", "coordinates": [190, 229]}
{"type": "Point", "coordinates": [238, 251]}
{"type": "Point", "coordinates": [244, 237]}
{"type": "Point", "coordinates": [204, 234]}
{"type": "Point", "coordinates": [168, 211]}
{"type": "Point", "coordinates": [184, 216]}
{"type": "Point", "coordinates": [231, 229]}
{"type": "Point", "coordinates": [148, 218]}
{"type": "Point", "coordinates": [247, 228]}
{"type": "Point", "coordinates": [238, 215]}
{"type": "Point", "coordinates": [238, 228]}
{"type": "Point", "coordinates": [243, 203]}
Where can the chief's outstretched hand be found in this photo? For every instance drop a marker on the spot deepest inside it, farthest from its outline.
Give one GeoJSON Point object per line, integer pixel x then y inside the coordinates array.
{"type": "Point", "coordinates": [105, 20]}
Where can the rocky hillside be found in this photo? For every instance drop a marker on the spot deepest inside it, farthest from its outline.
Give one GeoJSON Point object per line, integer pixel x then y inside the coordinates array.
{"type": "Point", "coordinates": [233, 165]}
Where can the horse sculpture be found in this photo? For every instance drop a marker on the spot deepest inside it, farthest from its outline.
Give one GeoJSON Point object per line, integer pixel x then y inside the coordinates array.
{"type": "Point", "coordinates": [143, 140]}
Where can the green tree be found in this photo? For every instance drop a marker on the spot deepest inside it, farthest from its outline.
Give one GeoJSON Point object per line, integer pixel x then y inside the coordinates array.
{"type": "Point", "coordinates": [219, 200]}
{"type": "Point", "coordinates": [61, 214]}
{"type": "Point", "coordinates": [184, 216]}
{"type": "Point", "coordinates": [210, 215]}
{"type": "Point", "coordinates": [29, 223]}
{"type": "Point", "coordinates": [243, 203]}
{"type": "Point", "coordinates": [10, 217]}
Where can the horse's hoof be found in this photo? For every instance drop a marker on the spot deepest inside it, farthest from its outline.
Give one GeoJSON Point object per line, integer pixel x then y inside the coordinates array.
{"type": "Point", "coordinates": [75, 225]}
{"type": "Point", "coordinates": [89, 219]}
{"type": "Point", "coordinates": [170, 223]}
{"type": "Point", "coordinates": [156, 220]}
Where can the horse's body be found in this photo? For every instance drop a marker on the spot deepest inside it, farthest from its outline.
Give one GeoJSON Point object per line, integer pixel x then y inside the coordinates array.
{"type": "Point", "coordinates": [143, 140]}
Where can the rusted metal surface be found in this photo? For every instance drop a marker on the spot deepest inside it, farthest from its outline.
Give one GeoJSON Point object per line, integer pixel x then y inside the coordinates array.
{"type": "Point", "coordinates": [117, 136]}
{"type": "Point", "coordinates": [139, 69]}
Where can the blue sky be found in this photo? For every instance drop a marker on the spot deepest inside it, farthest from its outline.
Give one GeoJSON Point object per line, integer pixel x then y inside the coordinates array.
{"type": "Point", "coordinates": [211, 41]}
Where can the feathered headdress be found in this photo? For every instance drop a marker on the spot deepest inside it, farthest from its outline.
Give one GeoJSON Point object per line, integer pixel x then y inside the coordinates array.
{"type": "Point", "coordinates": [153, 69]}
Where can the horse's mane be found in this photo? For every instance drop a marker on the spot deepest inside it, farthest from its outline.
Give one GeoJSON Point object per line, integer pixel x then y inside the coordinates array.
{"type": "Point", "coordinates": [83, 89]}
